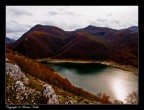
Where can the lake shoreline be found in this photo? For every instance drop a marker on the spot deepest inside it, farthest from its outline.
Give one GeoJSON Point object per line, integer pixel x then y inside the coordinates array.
{"type": "Point", "coordinates": [109, 62]}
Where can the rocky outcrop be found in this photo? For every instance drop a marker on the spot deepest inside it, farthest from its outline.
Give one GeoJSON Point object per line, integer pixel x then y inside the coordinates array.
{"type": "Point", "coordinates": [26, 89]}
{"type": "Point", "coordinates": [22, 94]}
{"type": "Point", "coordinates": [49, 93]}
{"type": "Point", "coordinates": [15, 72]}
{"type": "Point", "coordinates": [18, 91]}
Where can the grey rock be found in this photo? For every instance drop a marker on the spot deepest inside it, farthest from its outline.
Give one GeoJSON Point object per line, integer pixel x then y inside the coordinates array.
{"type": "Point", "coordinates": [49, 93]}
{"type": "Point", "coordinates": [19, 85]}
{"type": "Point", "coordinates": [23, 94]}
{"type": "Point", "coordinates": [15, 72]}
{"type": "Point", "coordinates": [7, 59]}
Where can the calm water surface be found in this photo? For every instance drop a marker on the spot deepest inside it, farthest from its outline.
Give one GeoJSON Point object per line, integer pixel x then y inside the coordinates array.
{"type": "Point", "coordinates": [99, 78]}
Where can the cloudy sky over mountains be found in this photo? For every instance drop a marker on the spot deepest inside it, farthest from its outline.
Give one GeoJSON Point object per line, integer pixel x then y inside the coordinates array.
{"type": "Point", "coordinates": [20, 19]}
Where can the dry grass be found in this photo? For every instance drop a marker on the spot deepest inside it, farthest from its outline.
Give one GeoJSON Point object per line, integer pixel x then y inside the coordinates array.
{"type": "Point", "coordinates": [46, 73]}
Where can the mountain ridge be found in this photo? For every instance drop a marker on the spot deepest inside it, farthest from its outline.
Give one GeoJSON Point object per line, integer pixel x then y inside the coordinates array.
{"type": "Point", "coordinates": [9, 40]}
{"type": "Point", "coordinates": [43, 41]}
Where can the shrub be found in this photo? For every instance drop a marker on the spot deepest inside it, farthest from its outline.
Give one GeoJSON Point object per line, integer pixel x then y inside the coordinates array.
{"type": "Point", "coordinates": [47, 74]}
{"type": "Point", "coordinates": [132, 98]}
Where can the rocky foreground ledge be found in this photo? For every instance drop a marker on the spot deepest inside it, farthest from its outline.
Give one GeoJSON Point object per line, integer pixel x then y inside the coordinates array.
{"type": "Point", "coordinates": [18, 91]}
{"type": "Point", "coordinates": [23, 88]}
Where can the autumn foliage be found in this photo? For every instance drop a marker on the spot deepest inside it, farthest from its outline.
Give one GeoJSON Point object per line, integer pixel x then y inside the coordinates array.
{"type": "Point", "coordinates": [46, 73]}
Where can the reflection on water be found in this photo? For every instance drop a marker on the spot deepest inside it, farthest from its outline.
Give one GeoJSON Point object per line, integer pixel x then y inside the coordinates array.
{"type": "Point", "coordinates": [98, 78]}
{"type": "Point", "coordinates": [119, 89]}
{"type": "Point", "coordinates": [80, 68]}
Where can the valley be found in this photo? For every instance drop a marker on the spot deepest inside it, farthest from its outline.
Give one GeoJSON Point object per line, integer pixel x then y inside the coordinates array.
{"type": "Point", "coordinates": [44, 45]}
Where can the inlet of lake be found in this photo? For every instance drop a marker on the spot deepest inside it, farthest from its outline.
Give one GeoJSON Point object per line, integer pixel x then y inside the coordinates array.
{"type": "Point", "coordinates": [99, 78]}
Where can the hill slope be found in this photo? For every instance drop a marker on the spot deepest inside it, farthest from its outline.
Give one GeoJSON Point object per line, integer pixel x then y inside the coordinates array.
{"type": "Point", "coordinates": [29, 82]}
{"type": "Point", "coordinates": [96, 43]}
{"type": "Point", "coordinates": [83, 46]}
{"type": "Point", "coordinates": [40, 42]}
{"type": "Point", "coordinates": [133, 28]}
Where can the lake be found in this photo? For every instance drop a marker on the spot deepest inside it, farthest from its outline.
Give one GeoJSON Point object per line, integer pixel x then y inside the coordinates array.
{"type": "Point", "coordinates": [99, 78]}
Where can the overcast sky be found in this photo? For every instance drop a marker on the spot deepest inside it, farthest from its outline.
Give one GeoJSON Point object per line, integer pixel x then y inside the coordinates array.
{"type": "Point", "coordinates": [20, 19]}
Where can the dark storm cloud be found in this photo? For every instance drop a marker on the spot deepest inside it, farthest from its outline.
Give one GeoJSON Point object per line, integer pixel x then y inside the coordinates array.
{"type": "Point", "coordinates": [19, 12]}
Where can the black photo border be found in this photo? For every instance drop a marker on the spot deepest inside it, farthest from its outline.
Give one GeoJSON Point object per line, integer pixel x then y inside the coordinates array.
{"type": "Point", "coordinates": [4, 3]}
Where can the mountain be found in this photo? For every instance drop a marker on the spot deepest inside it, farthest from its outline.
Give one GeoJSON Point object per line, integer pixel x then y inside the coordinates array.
{"type": "Point", "coordinates": [8, 40]}
{"type": "Point", "coordinates": [84, 46]}
{"type": "Point", "coordinates": [100, 31]}
{"type": "Point", "coordinates": [91, 42]}
{"type": "Point", "coordinates": [133, 28]}
{"type": "Point", "coordinates": [40, 41]}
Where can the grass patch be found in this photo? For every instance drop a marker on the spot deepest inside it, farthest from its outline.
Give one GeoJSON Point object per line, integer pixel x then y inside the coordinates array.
{"type": "Point", "coordinates": [33, 83]}
{"type": "Point", "coordinates": [46, 74]}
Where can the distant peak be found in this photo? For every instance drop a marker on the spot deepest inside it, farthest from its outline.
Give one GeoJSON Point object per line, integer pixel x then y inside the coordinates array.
{"type": "Point", "coordinates": [37, 25]}
{"type": "Point", "coordinates": [133, 28]}
{"type": "Point", "coordinates": [47, 26]}
{"type": "Point", "coordinates": [91, 26]}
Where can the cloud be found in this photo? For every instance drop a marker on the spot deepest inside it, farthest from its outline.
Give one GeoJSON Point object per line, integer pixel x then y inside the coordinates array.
{"type": "Point", "coordinates": [70, 13]}
{"type": "Point", "coordinates": [19, 12]}
{"type": "Point", "coordinates": [116, 21]}
{"type": "Point", "coordinates": [93, 23]}
{"type": "Point", "coordinates": [47, 22]}
{"type": "Point", "coordinates": [20, 19]}
{"type": "Point", "coordinates": [28, 26]}
{"type": "Point", "coordinates": [68, 27]}
{"type": "Point", "coordinates": [63, 8]}
{"type": "Point", "coordinates": [14, 26]}
{"type": "Point", "coordinates": [15, 32]}
{"type": "Point", "coordinates": [53, 13]}
{"type": "Point", "coordinates": [74, 26]}
{"type": "Point", "coordinates": [109, 14]}
{"type": "Point", "coordinates": [15, 29]}
{"type": "Point", "coordinates": [101, 20]}
{"type": "Point", "coordinates": [14, 35]}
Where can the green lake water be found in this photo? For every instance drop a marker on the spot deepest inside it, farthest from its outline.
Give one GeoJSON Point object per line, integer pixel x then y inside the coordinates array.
{"type": "Point", "coordinates": [99, 78]}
